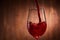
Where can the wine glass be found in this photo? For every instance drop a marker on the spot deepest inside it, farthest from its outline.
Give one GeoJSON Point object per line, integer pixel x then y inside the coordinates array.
{"type": "Point", "coordinates": [36, 23]}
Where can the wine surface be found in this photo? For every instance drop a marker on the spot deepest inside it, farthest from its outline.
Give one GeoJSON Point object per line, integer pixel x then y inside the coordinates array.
{"type": "Point", "coordinates": [37, 29]}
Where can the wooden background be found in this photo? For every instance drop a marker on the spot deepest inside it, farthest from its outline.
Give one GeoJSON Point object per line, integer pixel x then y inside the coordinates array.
{"type": "Point", "coordinates": [13, 19]}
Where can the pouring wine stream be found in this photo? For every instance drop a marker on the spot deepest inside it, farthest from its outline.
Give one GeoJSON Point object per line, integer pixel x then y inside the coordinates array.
{"type": "Point", "coordinates": [38, 10]}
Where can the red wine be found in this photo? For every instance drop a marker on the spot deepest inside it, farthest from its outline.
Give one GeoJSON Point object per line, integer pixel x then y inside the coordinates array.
{"type": "Point", "coordinates": [37, 29]}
